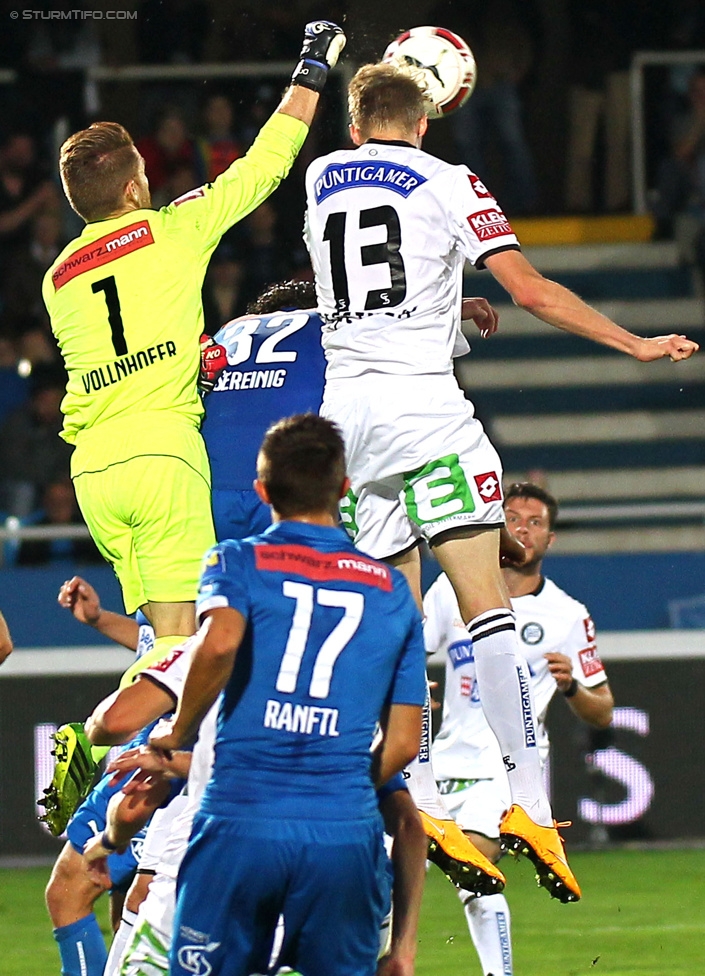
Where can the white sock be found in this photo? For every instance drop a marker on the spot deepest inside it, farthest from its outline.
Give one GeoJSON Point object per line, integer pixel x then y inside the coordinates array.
{"type": "Point", "coordinates": [490, 930]}
{"type": "Point", "coordinates": [507, 701]}
{"type": "Point", "coordinates": [418, 775]}
{"type": "Point", "coordinates": [120, 940]}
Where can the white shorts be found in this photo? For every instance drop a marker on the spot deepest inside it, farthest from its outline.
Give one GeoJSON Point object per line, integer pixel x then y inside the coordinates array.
{"type": "Point", "coordinates": [147, 952]}
{"type": "Point", "coordinates": [479, 806]}
{"type": "Point", "coordinates": [159, 832]}
{"type": "Point", "coordinates": [418, 460]}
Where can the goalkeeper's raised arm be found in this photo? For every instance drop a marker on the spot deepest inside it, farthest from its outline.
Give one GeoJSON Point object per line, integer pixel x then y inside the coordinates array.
{"type": "Point", "coordinates": [215, 207]}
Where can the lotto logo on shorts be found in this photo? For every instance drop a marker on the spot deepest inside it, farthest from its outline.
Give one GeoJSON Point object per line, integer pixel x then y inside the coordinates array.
{"type": "Point", "coordinates": [489, 487]}
{"type": "Point", "coordinates": [590, 661]}
{"type": "Point", "coordinates": [489, 223]}
{"type": "Point", "coordinates": [589, 625]}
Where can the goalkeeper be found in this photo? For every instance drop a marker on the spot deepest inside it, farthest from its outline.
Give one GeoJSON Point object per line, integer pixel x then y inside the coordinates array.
{"type": "Point", "coordinates": [124, 300]}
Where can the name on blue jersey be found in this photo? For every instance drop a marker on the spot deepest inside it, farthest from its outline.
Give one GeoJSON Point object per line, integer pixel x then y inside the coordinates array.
{"type": "Point", "coordinates": [305, 719]}
{"type": "Point", "coordinates": [342, 176]}
{"type": "Point", "coordinates": [253, 379]}
{"type": "Point", "coordinates": [460, 653]}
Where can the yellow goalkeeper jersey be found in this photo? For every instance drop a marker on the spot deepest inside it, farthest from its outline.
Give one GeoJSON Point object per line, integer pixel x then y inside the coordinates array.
{"type": "Point", "coordinates": [124, 300]}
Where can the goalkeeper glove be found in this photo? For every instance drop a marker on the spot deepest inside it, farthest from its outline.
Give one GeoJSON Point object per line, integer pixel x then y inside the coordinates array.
{"type": "Point", "coordinates": [214, 359]}
{"type": "Point", "coordinates": [323, 42]}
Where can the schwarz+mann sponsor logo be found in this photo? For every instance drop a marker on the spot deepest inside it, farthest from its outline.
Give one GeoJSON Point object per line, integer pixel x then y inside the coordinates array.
{"type": "Point", "coordinates": [105, 376]}
{"type": "Point", "coordinates": [124, 240]}
{"type": "Point", "coordinates": [526, 711]}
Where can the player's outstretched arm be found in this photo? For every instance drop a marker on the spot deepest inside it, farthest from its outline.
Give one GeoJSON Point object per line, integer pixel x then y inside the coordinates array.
{"type": "Point", "coordinates": [556, 305]}
{"type": "Point", "coordinates": [202, 216]}
{"type": "Point", "coordinates": [402, 822]}
{"type": "Point", "coordinates": [212, 659]}
{"type": "Point", "coordinates": [118, 718]}
{"type": "Point", "coordinates": [592, 705]}
{"type": "Point", "coordinates": [5, 640]}
{"type": "Point", "coordinates": [82, 600]}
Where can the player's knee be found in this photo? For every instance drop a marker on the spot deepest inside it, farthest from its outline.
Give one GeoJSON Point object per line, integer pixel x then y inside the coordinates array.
{"type": "Point", "coordinates": [69, 894]}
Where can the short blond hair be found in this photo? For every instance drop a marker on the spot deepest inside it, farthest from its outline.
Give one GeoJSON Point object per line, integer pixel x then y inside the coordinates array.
{"type": "Point", "coordinates": [382, 96]}
{"type": "Point", "coordinates": [96, 164]}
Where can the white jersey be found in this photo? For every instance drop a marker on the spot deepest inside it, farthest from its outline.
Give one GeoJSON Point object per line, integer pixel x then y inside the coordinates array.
{"type": "Point", "coordinates": [171, 675]}
{"type": "Point", "coordinates": [547, 621]}
{"type": "Point", "coordinates": [388, 228]}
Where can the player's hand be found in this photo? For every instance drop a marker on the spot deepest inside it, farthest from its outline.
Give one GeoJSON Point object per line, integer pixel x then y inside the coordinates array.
{"type": "Point", "coordinates": [81, 599]}
{"type": "Point", "coordinates": [165, 738]}
{"type": "Point", "coordinates": [392, 965]}
{"type": "Point", "coordinates": [561, 667]}
{"type": "Point", "coordinates": [433, 686]}
{"type": "Point", "coordinates": [96, 860]}
{"type": "Point", "coordinates": [323, 42]}
{"type": "Point", "coordinates": [511, 551]}
{"type": "Point", "coordinates": [677, 347]}
{"type": "Point", "coordinates": [479, 311]}
{"type": "Point", "coordinates": [214, 359]}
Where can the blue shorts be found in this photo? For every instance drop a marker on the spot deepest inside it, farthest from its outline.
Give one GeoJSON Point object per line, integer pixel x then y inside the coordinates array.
{"type": "Point", "coordinates": [330, 881]}
{"type": "Point", "coordinates": [238, 514]}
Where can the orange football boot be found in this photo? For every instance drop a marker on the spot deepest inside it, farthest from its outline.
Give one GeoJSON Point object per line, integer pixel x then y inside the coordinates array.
{"type": "Point", "coordinates": [544, 847]}
{"type": "Point", "coordinates": [459, 859]}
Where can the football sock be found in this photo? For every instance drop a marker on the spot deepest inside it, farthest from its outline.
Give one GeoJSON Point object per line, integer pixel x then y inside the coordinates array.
{"type": "Point", "coordinates": [81, 948]}
{"type": "Point", "coordinates": [120, 940]}
{"type": "Point", "coordinates": [490, 931]}
{"type": "Point", "coordinates": [162, 647]}
{"type": "Point", "coordinates": [505, 689]}
{"type": "Point", "coordinates": [419, 773]}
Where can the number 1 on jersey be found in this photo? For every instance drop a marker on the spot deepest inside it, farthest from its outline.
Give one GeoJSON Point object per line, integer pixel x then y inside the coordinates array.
{"type": "Point", "coordinates": [117, 329]}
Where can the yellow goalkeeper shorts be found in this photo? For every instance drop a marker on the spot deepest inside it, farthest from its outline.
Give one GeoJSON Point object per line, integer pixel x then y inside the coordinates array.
{"type": "Point", "coordinates": [150, 516]}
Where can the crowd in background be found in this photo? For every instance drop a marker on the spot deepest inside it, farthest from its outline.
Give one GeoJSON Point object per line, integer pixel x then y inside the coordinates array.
{"type": "Point", "coordinates": [189, 132]}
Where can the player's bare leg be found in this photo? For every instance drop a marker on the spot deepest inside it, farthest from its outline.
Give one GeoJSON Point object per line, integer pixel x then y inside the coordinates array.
{"type": "Point", "coordinates": [70, 897]}
{"type": "Point", "coordinates": [448, 847]}
{"type": "Point", "coordinates": [470, 559]}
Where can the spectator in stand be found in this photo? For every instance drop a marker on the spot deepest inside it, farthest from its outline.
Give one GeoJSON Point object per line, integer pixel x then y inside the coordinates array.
{"type": "Point", "coordinates": [263, 255]}
{"type": "Point", "coordinates": [681, 180]}
{"type": "Point", "coordinates": [502, 44]}
{"type": "Point", "coordinates": [31, 452]}
{"type": "Point", "coordinates": [24, 193]}
{"type": "Point", "coordinates": [222, 289]}
{"type": "Point", "coordinates": [22, 295]}
{"type": "Point", "coordinates": [59, 507]}
{"type": "Point", "coordinates": [604, 34]}
{"type": "Point", "coordinates": [13, 387]}
{"type": "Point", "coordinates": [165, 153]}
{"type": "Point", "coordinates": [218, 148]}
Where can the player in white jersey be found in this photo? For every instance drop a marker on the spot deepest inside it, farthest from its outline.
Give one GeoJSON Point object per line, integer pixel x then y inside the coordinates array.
{"type": "Point", "coordinates": [558, 641]}
{"type": "Point", "coordinates": [389, 228]}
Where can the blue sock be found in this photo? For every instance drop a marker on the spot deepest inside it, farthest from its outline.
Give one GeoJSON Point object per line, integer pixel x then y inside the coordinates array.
{"type": "Point", "coordinates": [82, 948]}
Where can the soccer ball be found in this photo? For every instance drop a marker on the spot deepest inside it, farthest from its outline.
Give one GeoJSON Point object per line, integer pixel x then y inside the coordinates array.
{"type": "Point", "coordinates": [440, 61]}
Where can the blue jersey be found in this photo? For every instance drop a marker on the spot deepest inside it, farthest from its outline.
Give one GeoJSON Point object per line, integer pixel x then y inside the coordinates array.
{"type": "Point", "coordinates": [275, 369]}
{"type": "Point", "coordinates": [332, 636]}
